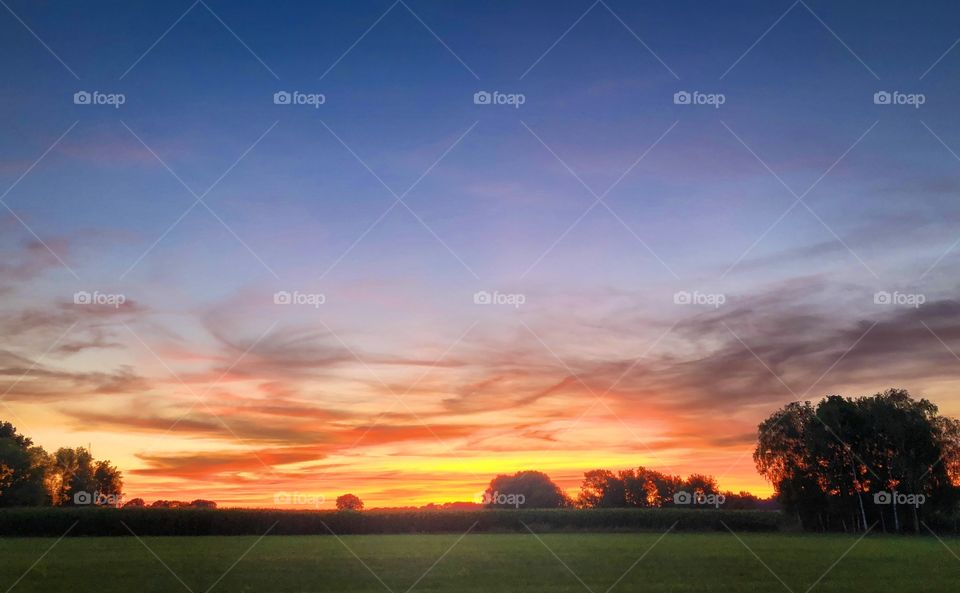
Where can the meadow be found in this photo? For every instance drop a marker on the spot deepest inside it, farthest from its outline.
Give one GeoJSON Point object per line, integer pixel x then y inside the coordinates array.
{"type": "Point", "coordinates": [482, 562]}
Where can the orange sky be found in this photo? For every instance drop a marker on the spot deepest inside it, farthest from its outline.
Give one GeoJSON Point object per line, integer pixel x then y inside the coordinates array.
{"type": "Point", "coordinates": [250, 410]}
{"type": "Point", "coordinates": [394, 434]}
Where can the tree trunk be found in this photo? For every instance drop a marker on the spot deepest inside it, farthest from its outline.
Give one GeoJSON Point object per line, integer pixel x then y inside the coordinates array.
{"type": "Point", "coordinates": [863, 513]}
{"type": "Point", "coordinates": [896, 517]}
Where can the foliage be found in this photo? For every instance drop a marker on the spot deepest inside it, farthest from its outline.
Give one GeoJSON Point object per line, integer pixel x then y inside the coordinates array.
{"type": "Point", "coordinates": [852, 463]}
{"type": "Point", "coordinates": [349, 502]}
{"type": "Point", "coordinates": [647, 488]}
{"type": "Point", "coordinates": [527, 489]}
{"type": "Point", "coordinates": [23, 470]}
{"type": "Point", "coordinates": [29, 476]}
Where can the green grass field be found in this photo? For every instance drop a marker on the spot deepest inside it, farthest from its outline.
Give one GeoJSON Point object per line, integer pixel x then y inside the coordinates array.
{"type": "Point", "coordinates": [481, 562]}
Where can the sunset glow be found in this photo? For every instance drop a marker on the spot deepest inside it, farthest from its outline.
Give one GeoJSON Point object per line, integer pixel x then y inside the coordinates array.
{"type": "Point", "coordinates": [408, 288]}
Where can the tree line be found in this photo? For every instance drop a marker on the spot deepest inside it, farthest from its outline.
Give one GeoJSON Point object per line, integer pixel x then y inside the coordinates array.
{"type": "Point", "coordinates": [883, 461]}
{"type": "Point", "coordinates": [844, 464]}
{"type": "Point", "coordinates": [29, 476]}
{"type": "Point", "coordinates": [855, 464]}
{"type": "Point", "coordinates": [629, 488]}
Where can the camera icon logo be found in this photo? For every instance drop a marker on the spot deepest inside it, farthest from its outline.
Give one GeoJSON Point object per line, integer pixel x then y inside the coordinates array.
{"type": "Point", "coordinates": [681, 98]}
{"type": "Point", "coordinates": [81, 98]}
{"type": "Point", "coordinates": [482, 298]}
{"type": "Point", "coordinates": [882, 298]}
{"type": "Point", "coordinates": [481, 98]}
{"type": "Point", "coordinates": [82, 297]}
{"type": "Point", "coordinates": [281, 98]}
{"type": "Point", "coordinates": [882, 497]}
{"type": "Point", "coordinates": [682, 298]}
{"type": "Point", "coordinates": [82, 497]}
{"type": "Point", "coordinates": [682, 497]}
{"type": "Point", "coordinates": [282, 298]}
{"type": "Point", "coordinates": [881, 98]}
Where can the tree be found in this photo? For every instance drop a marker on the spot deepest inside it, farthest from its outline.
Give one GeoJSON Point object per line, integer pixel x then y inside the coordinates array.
{"type": "Point", "coordinates": [847, 463]}
{"type": "Point", "coordinates": [29, 476]}
{"type": "Point", "coordinates": [781, 457]}
{"type": "Point", "coordinates": [109, 484]}
{"type": "Point", "coordinates": [701, 484]}
{"type": "Point", "coordinates": [72, 478]}
{"type": "Point", "coordinates": [167, 504]}
{"type": "Point", "coordinates": [529, 489]}
{"type": "Point", "coordinates": [602, 488]}
{"type": "Point", "coordinates": [660, 487]}
{"type": "Point", "coordinates": [642, 487]}
{"type": "Point", "coordinates": [349, 502]}
{"type": "Point", "coordinates": [23, 470]}
{"type": "Point", "coordinates": [203, 504]}
{"type": "Point", "coordinates": [135, 503]}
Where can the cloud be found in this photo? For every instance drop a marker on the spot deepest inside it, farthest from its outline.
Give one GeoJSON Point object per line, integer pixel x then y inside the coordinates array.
{"type": "Point", "coordinates": [229, 466]}
{"type": "Point", "coordinates": [29, 261]}
{"type": "Point", "coordinates": [299, 398]}
{"type": "Point", "coordinates": [28, 380]}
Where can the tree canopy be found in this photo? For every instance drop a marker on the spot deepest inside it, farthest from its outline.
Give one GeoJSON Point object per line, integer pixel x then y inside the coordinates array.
{"type": "Point", "coordinates": [851, 463]}
{"type": "Point", "coordinates": [29, 476]}
{"type": "Point", "coordinates": [349, 502]}
{"type": "Point", "coordinates": [649, 488]}
{"type": "Point", "coordinates": [528, 489]}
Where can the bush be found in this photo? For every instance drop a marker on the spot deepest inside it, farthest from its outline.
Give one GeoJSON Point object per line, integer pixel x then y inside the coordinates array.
{"type": "Point", "coordinates": [54, 522]}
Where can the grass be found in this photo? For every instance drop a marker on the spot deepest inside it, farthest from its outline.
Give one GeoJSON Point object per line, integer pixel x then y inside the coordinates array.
{"type": "Point", "coordinates": [679, 562]}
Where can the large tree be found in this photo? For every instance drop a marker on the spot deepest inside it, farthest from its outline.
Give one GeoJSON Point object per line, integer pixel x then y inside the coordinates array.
{"type": "Point", "coordinates": [849, 463]}
{"type": "Point", "coordinates": [529, 489]}
{"type": "Point", "coordinates": [349, 502]}
{"type": "Point", "coordinates": [23, 470]}
{"type": "Point", "coordinates": [602, 488]}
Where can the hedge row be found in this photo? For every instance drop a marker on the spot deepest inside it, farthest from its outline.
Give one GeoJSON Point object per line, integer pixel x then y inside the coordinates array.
{"type": "Point", "coordinates": [104, 521]}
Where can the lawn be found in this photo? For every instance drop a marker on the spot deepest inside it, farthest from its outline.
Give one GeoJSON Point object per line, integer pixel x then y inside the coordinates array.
{"type": "Point", "coordinates": [482, 562]}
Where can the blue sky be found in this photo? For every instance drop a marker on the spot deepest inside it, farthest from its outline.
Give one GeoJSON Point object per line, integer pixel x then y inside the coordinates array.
{"type": "Point", "coordinates": [500, 199]}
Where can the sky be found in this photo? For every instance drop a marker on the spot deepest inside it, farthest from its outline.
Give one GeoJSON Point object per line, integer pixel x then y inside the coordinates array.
{"type": "Point", "coordinates": [668, 220]}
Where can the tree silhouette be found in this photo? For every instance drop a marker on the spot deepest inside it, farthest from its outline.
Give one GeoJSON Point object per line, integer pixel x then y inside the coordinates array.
{"type": "Point", "coordinates": [23, 470]}
{"type": "Point", "coordinates": [851, 463]}
{"type": "Point", "coordinates": [528, 489]}
{"type": "Point", "coordinates": [29, 476]}
{"type": "Point", "coordinates": [349, 502]}
{"type": "Point", "coordinates": [642, 487]}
